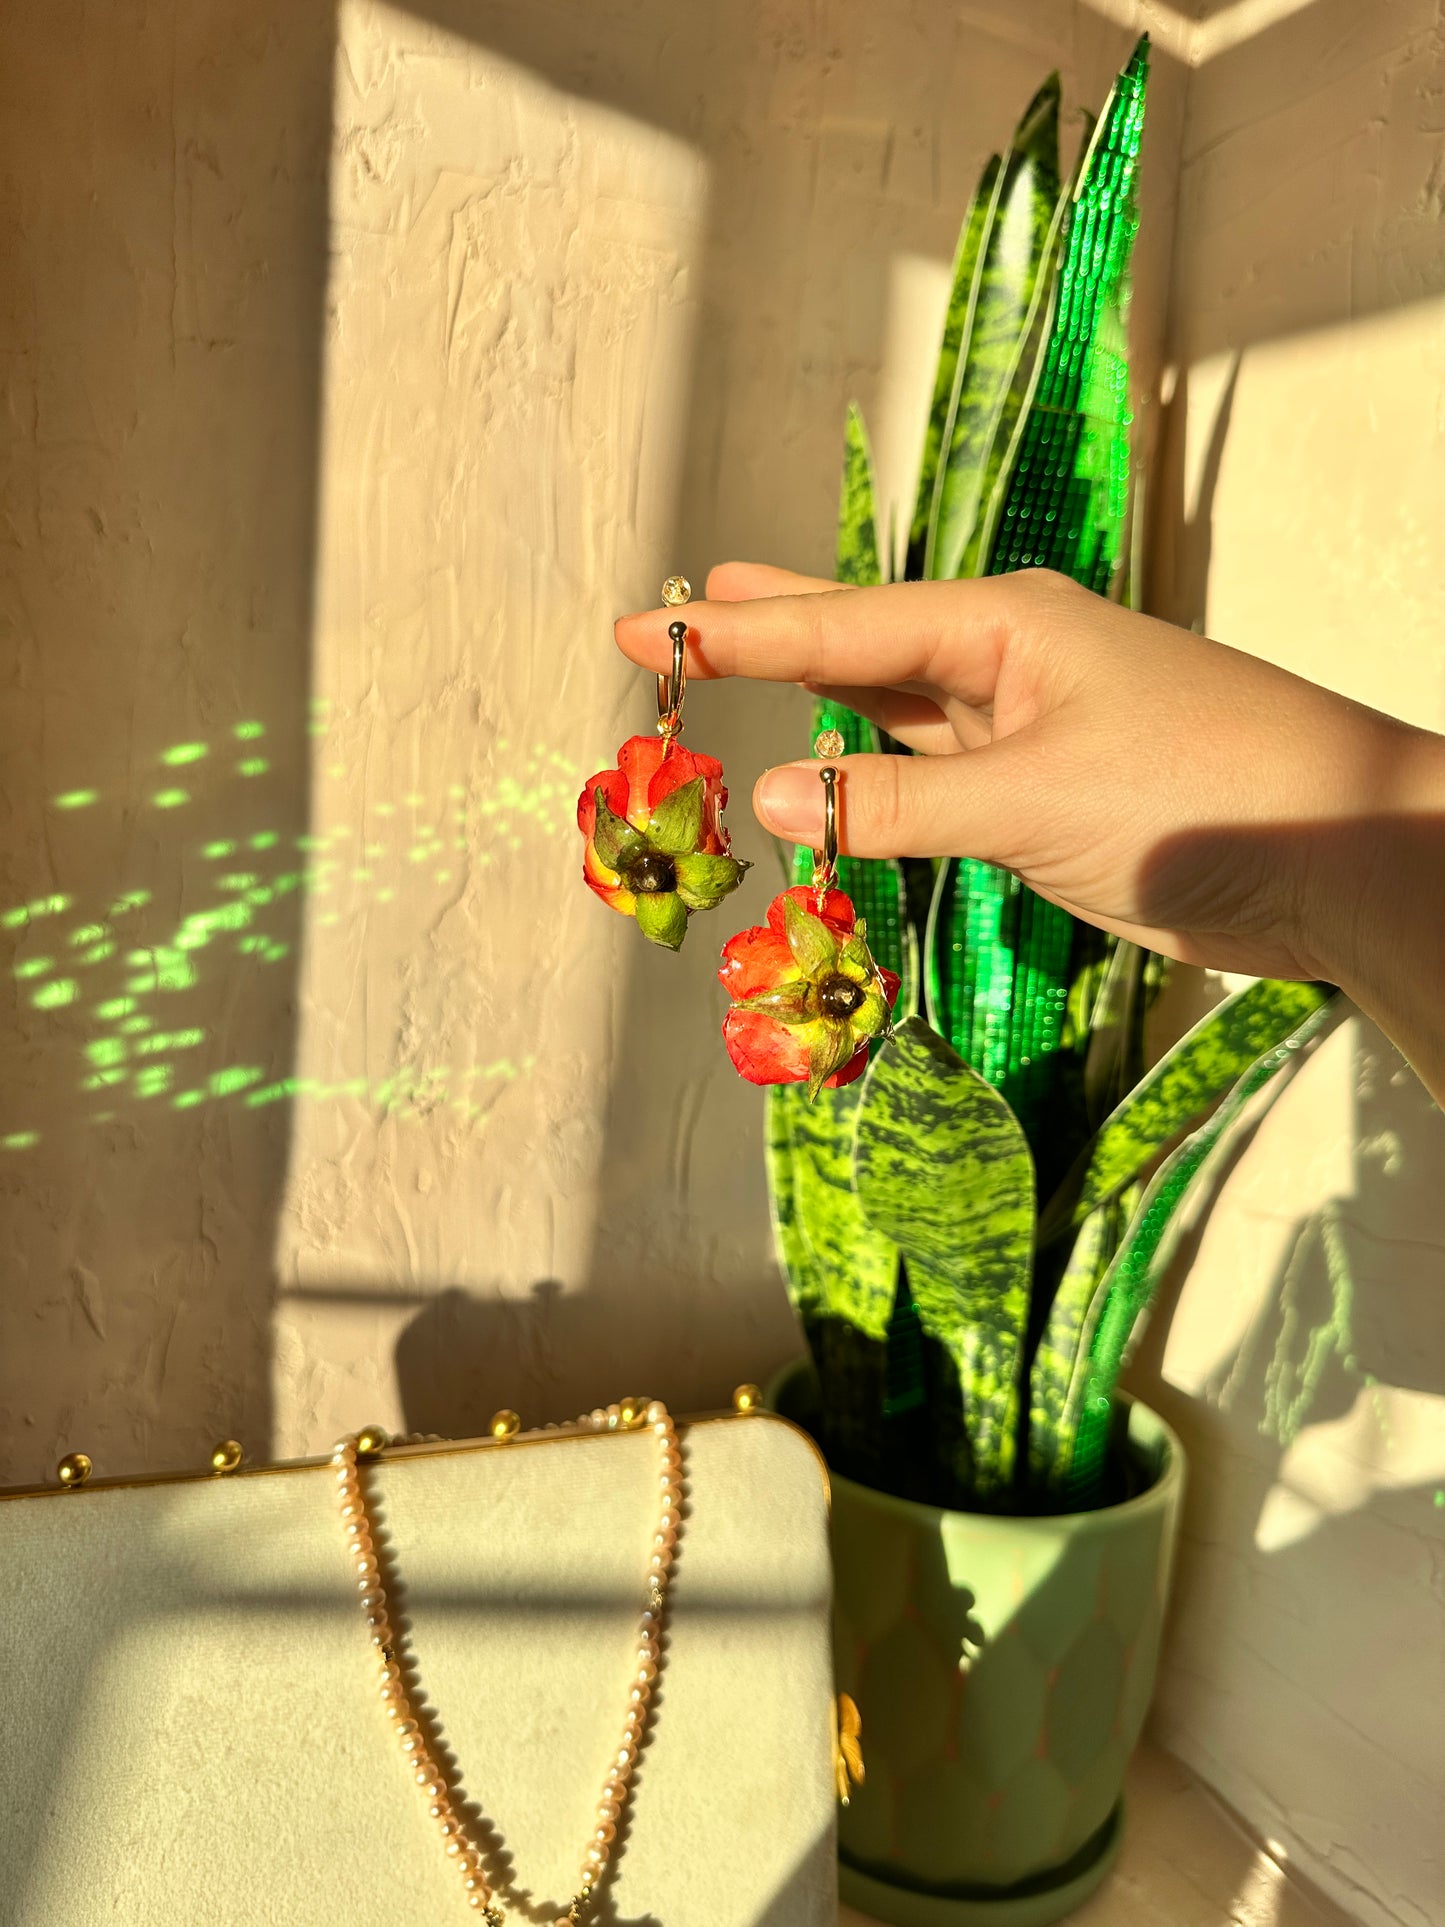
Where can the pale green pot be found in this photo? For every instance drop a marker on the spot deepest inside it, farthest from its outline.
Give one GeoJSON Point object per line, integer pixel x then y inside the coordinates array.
{"type": "Point", "coordinates": [1002, 1668]}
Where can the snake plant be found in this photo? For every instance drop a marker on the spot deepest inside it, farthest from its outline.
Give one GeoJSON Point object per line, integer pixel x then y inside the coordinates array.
{"type": "Point", "coordinates": [972, 1232]}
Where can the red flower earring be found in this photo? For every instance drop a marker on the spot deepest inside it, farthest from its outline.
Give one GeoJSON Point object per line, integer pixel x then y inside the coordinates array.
{"type": "Point", "coordinates": [657, 850]}
{"type": "Point", "coordinates": [807, 995]}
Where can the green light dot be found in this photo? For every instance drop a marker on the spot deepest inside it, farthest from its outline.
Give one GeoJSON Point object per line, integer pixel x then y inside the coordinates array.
{"type": "Point", "coordinates": [442, 876]}
{"type": "Point", "coordinates": [290, 880]}
{"type": "Point", "coordinates": [253, 766]}
{"type": "Point", "coordinates": [105, 1051]}
{"type": "Point", "coordinates": [20, 1140]}
{"type": "Point", "coordinates": [1440, 1499]}
{"type": "Point", "coordinates": [112, 1011]}
{"type": "Point", "coordinates": [187, 1100]}
{"type": "Point", "coordinates": [309, 842]}
{"type": "Point", "coordinates": [247, 944]}
{"type": "Point", "coordinates": [248, 732]}
{"type": "Point", "coordinates": [132, 900]}
{"type": "Point", "coordinates": [15, 919]}
{"type": "Point", "coordinates": [274, 952]}
{"type": "Point", "coordinates": [385, 809]}
{"type": "Point", "coordinates": [98, 954]}
{"type": "Point", "coordinates": [183, 753]}
{"type": "Point", "coordinates": [75, 799]}
{"type": "Point", "coordinates": [170, 799]}
{"type": "Point", "coordinates": [271, 1093]}
{"type": "Point", "coordinates": [385, 896]}
{"type": "Point", "coordinates": [134, 1026]}
{"type": "Point", "coordinates": [361, 876]}
{"type": "Point", "coordinates": [33, 967]}
{"type": "Point", "coordinates": [213, 852]}
{"type": "Point", "coordinates": [192, 940]}
{"type": "Point", "coordinates": [55, 996]}
{"type": "Point", "coordinates": [224, 1083]}
{"type": "Point", "coordinates": [88, 933]}
{"type": "Point", "coordinates": [187, 1039]}
{"type": "Point", "coordinates": [266, 840]}
{"type": "Point", "coordinates": [48, 906]}
{"type": "Point", "coordinates": [242, 880]}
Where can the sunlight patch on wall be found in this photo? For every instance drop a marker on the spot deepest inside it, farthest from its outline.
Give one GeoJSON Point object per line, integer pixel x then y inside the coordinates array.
{"type": "Point", "coordinates": [512, 304]}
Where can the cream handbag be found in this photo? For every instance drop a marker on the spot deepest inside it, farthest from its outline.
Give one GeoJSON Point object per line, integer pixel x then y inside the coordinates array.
{"type": "Point", "coordinates": [193, 1735]}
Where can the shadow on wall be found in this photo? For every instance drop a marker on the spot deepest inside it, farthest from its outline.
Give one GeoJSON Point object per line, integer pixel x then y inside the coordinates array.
{"type": "Point", "coordinates": [165, 228]}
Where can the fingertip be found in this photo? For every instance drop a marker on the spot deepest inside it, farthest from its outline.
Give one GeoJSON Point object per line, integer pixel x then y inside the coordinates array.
{"type": "Point", "coordinates": [788, 800]}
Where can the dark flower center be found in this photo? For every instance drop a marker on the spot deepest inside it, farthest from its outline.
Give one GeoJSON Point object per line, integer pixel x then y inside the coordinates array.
{"type": "Point", "coordinates": [839, 996]}
{"type": "Point", "coordinates": [652, 876]}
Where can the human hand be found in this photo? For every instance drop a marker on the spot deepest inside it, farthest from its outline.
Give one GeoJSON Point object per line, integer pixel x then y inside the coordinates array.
{"type": "Point", "coordinates": [1160, 785]}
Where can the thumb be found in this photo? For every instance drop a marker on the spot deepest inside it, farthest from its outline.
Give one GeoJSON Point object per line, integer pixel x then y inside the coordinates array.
{"type": "Point", "coordinates": [963, 805]}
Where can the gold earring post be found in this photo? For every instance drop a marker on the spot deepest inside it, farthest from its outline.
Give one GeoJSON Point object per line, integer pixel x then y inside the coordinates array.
{"type": "Point", "coordinates": [825, 861]}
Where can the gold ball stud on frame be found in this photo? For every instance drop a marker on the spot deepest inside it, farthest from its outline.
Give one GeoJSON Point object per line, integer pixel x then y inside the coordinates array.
{"type": "Point", "coordinates": [747, 1398]}
{"type": "Point", "coordinates": [74, 1469]}
{"type": "Point", "coordinates": [676, 590]}
{"type": "Point", "coordinates": [227, 1456]}
{"type": "Point", "coordinates": [370, 1441]}
{"type": "Point", "coordinates": [505, 1424]}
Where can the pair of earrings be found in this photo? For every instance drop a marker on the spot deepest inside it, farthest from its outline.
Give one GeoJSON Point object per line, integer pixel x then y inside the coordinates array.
{"type": "Point", "coordinates": [807, 996]}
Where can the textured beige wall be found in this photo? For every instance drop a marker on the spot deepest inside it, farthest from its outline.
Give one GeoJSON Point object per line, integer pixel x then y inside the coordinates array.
{"type": "Point", "coordinates": [360, 367]}
{"type": "Point", "coordinates": [1301, 1348]}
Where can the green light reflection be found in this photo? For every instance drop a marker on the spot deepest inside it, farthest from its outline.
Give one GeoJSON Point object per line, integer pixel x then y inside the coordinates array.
{"type": "Point", "coordinates": [135, 1049]}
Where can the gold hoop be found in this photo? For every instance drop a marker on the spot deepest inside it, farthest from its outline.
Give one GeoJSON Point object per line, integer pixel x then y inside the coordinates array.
{"type": "Point", "coordinates": [825, 861]}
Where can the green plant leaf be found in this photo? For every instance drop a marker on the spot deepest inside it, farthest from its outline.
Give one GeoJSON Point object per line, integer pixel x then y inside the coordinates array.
{"type": "Point", "coordinates": [1064, 503]}
{"type": "Point", "coordinates": [858, 559]}
{"type": "Point", "coordinates": [1186, 1080]}
{"type": "Point", "coordinates": [662, 918]}
{"type": "Point", "coordinates": [614, 838]}
{"type": "Point", "coordinates": [955, 326]}
{"type": "Point", "coordinates": [1056, 1358]}
{"type": "Point", "coordinates": [703, 881]}
{"type": "Point", "coordinates": [1127, 1288]}
{"type": "Point", "coordinates": [1014, 255]}
{"type": "Point", "coordinates": [943, 1171]}
{"type": "Point", "coordinates": [676, 823]}
{"type": "Point", "coordinates": [838, 1266]}
{"type": "Point", "coordinates": [1114, 1063]}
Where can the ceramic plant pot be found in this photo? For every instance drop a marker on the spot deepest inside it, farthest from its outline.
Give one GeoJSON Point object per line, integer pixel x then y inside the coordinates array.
{"type": "Point", "coordinates": [1002, 1668]}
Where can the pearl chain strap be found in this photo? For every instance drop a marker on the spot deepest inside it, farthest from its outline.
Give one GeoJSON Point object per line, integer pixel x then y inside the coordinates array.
{"type": "Point", "coordinates": [631, 1415]}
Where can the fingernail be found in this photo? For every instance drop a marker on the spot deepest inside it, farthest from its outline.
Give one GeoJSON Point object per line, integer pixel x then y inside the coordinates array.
{"type": "Point", "coordinates": [791, 800]}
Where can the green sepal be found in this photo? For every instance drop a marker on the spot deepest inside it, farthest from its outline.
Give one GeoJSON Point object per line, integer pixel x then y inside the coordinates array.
{"type": "Point", "coordinates": [787, 1002]}
{"type": "Point", "coordinates": [662, 918]}
{"type": "Point", "coordinates": [703, 881]}
{"type": "Point", "coordinates": [870, 1016]}
{"type": "Point", "coordinates": [831, 1047]}
{"type": "Point", "coordinates": [855, 959]}
{"type": "Point", "coordinates": [614, 839]}
{"type": "Point", "coordinates": [676, 823]}
{"type": "Point", "coordinates": [812, 943]}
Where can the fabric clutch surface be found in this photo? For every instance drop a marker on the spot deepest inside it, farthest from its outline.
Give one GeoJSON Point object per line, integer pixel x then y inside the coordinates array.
{"type": "Point", "coordinates": [193, 1733]}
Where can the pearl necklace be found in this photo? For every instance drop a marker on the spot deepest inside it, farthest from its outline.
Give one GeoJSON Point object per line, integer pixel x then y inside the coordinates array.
{"type": "Point", "coordinates": [630, 1415]}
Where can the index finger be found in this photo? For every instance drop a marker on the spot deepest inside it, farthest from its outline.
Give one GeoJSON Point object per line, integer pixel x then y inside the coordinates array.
{"type": "Point", "coordinates": [948, 635]}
